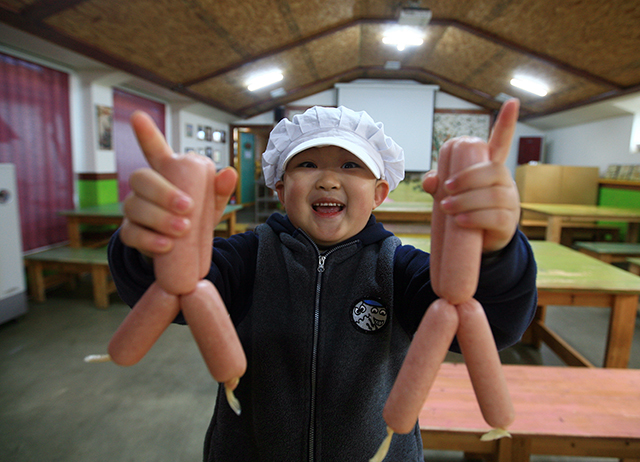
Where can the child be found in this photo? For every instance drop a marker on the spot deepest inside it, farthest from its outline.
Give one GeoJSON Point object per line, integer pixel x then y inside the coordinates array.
{"type": "Point", "coordinates": [324, 299]}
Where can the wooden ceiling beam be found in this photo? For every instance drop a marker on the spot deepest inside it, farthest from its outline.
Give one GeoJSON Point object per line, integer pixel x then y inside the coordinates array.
{"type": "Point", "coordinates": [546, 59]}
{"type": "Point", "coordinates": [42, 9]}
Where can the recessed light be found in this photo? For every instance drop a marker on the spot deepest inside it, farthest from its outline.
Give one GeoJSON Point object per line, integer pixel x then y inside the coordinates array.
{"type": "Point", "coordinates": [264, 80]}
{"type": "Point", "coordinates": [403, 37]}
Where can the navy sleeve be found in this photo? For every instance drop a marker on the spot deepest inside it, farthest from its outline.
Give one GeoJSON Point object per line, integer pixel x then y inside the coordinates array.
{"type": "Point", "coordinates": [506, 289]}
{"type": "Point", "coordinates": [232, 271]}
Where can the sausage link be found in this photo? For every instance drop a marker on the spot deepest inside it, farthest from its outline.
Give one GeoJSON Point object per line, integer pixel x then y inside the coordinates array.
{"type": "Point", "coordinates": [420, 367]}
{"type": "Point", "coordinates": [214, 333]}
{"type": "Point", "coordinates": [206, 222]}
{"type": "Point", "coordinates": [144, 324]}
{"type": "Point", "coordinates": [455, 251]}
{"type": "Point", "coordinates": [483, 363]}
{"type": "Point", "coordinates": [178, 271]}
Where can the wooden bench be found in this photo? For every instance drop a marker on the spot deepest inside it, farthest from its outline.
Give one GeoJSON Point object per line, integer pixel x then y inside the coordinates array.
{"type": "Point", "coordinates": [571, 231]}
{"type": "Point", "coordinates": [562, 411]}
{"type": "Point", "coordinates": [65, 261]}
{"type": "Point", "coordinates": [609, 252]}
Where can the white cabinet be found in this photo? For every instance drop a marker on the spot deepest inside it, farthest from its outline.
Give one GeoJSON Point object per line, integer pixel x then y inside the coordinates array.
{"type": "Point", "coordinates": [13, 298]}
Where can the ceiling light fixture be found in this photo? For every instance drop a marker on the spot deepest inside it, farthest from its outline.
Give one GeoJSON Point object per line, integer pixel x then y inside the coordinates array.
{"type": "Point", "coordinates": [402, 38]}
{"type": "Point", "coordinates": [528, 85]}
{"type": "Point", "coordinates": [264, 80]}
{"type": "Point", "coordinates": [414, 16]}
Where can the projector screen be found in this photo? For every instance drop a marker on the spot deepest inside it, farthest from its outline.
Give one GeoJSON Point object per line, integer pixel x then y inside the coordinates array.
{"type": "Point", "coordinates": [405, 109]}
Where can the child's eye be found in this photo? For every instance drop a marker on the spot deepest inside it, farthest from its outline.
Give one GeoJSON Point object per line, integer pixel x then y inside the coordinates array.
{"type": "Point", "coordinates": [307, 164]}
{"type": "Point", "coordinates": [351, 165]}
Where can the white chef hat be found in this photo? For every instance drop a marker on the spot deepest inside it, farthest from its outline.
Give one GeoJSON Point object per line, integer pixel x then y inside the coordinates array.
{"type": "Point", "coordinates": [328, 126]}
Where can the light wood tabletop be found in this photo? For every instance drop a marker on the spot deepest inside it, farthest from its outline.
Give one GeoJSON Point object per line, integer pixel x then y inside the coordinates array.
{"type": "Point", "coordinates": [395, 211]}
{"type": "Point", "coordinates": [569, 278]}
{"type": "Point", "coordinates": [111, 214]}
{"type": "Point", "coordinates": [558, 214]}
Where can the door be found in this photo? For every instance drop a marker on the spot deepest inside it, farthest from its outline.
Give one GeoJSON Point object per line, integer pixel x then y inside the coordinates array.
{"type": "Point", "coordinates": [247, 153]}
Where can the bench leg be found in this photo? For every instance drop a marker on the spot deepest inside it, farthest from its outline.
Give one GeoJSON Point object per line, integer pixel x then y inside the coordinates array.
{"type": "Point", "coordinates": [99, 279]}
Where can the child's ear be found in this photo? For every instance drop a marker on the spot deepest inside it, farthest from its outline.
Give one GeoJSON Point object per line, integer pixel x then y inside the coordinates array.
{"type": "Point", "coordinates": [381, 193]}
{"type": "Point", "coordinates": [280, 191]}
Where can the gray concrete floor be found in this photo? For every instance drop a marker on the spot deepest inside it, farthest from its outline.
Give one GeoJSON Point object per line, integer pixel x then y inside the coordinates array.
{"type": "Point", "coordinates": [55, 407]}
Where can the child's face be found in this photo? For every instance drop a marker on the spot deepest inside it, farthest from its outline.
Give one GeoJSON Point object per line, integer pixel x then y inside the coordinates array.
{"type": "Point", "coordinates": [329, 193]}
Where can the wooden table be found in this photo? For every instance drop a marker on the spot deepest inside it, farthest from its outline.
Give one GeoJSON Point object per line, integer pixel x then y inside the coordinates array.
{"type": "Point", "coordinates": [557, 215]}
{"type": "Point", "coordinates": [564, 411]}
{"type": "Point", "coordinates": [111, 214]}
{"type": "Point", "coordinates": [568, 277]}
{"type": "Point", "coordinates": [634, 265]}
{"type": "Point", "coordinates": [404, 212]}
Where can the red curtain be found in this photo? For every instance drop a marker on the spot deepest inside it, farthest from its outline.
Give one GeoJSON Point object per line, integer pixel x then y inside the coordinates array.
{"type": "Point", "coordinates": [129, 157]}
{"type": "Point", "coordinates": [35, 135]}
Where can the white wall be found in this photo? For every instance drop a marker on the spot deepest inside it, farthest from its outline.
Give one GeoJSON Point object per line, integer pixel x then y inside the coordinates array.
{"type": "Point", "coordinates": [596, 144]}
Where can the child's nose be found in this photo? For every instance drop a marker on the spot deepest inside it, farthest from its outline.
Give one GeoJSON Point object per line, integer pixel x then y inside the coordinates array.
{"type": "Point", "coordinates": [328, 180]}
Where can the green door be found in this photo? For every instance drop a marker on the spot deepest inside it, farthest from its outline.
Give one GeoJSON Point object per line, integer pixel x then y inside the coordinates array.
{"type": "Point", "coordinates": [247, 168]}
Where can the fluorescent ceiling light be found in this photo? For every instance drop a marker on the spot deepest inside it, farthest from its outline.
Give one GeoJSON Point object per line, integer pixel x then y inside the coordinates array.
{"type": "Point", "coordinates": [532, 87]}
{"type": "Point", "coordinates": [402, 38]}
{"type": "Point", "coordinates": [264, 80]}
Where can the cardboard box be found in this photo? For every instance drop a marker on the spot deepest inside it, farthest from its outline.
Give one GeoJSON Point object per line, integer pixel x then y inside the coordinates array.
{"type": "Point", "coordinates": [556, 184]}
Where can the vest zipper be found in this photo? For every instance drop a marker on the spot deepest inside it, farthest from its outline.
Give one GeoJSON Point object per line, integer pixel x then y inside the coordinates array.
{"type": "Point", "coordinates": [316, 334]}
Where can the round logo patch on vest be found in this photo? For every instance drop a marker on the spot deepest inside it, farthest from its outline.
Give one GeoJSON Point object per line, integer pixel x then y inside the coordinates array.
{"type": "Point", "coordinates": [369, 315]}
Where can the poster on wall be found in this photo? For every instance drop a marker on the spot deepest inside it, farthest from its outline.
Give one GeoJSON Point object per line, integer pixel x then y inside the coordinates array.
{"type": "Point", "coordinates": [449, 123]}
{"type": "Point", "coordinates": [105, 126]}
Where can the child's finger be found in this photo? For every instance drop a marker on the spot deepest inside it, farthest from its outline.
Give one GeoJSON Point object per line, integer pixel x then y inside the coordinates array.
{"type": "Point", "coordinates": [503, 130]}
{"type": "Point", "coordinates": [430, 182]}
{"type": "Point", "coordinates": [147, 242]}
{"type": "Point", "coordinates": [150, 216]}
{"type": "Point", "coordinates": [151, 140]}
{"type": "Point", "coordinates": [225, 184]}
{"type": "Point", "coordinates": [150, 185]}
{"type": "Point", "coordinates": [497, 197]}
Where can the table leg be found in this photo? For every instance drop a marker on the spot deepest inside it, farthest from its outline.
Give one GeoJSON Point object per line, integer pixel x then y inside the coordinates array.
{"type": "Point", "coordinates": [621, 327]}
{"type": "Point", "coordinates": [554, 229]}
{"type": "Point", "coordinates": [73, 230]}
{"type": "Point", "coordinates": [515, 449]}
{"type": "Point", "coordinates": [531, 337]}
{"type": "Point", "coordinates": [231, 226]}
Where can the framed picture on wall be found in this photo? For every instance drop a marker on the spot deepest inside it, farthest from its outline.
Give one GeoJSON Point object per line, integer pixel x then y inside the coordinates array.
{"type": "Point", "coordinates": [105, 126]}
{"type": "Point", "coordinates": [189, 131]}
{"type": "Point", "coordinates": [219, 136]}
{"type": "Point", "coordinates": [208, 151]}
{"type": "Point", "coordinates": [449, 123]}
{"type": "Point", "coordinates": [208, 132]}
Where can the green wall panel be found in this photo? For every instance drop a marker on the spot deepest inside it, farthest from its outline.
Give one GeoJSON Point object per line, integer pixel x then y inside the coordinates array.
{"type": "Point", "coordinates": [624, 198]}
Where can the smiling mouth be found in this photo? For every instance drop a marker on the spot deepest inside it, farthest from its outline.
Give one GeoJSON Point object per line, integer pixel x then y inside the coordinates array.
{"type": "Point", "coordinates": [328, 207]}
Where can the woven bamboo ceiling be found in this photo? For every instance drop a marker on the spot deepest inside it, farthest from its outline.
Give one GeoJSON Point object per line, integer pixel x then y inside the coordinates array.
{"type": "Point", "coordinates": [584, 50]}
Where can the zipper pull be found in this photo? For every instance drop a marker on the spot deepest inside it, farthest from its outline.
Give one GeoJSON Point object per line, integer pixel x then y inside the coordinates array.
{"type": "Point", "coordinates": [321, 260]}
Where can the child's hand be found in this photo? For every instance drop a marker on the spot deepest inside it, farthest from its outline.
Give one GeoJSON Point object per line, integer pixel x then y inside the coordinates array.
{"type": "Point", "coordinates": [156, 211]}
{"type": "Point", "coordinates": [484, 195]}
